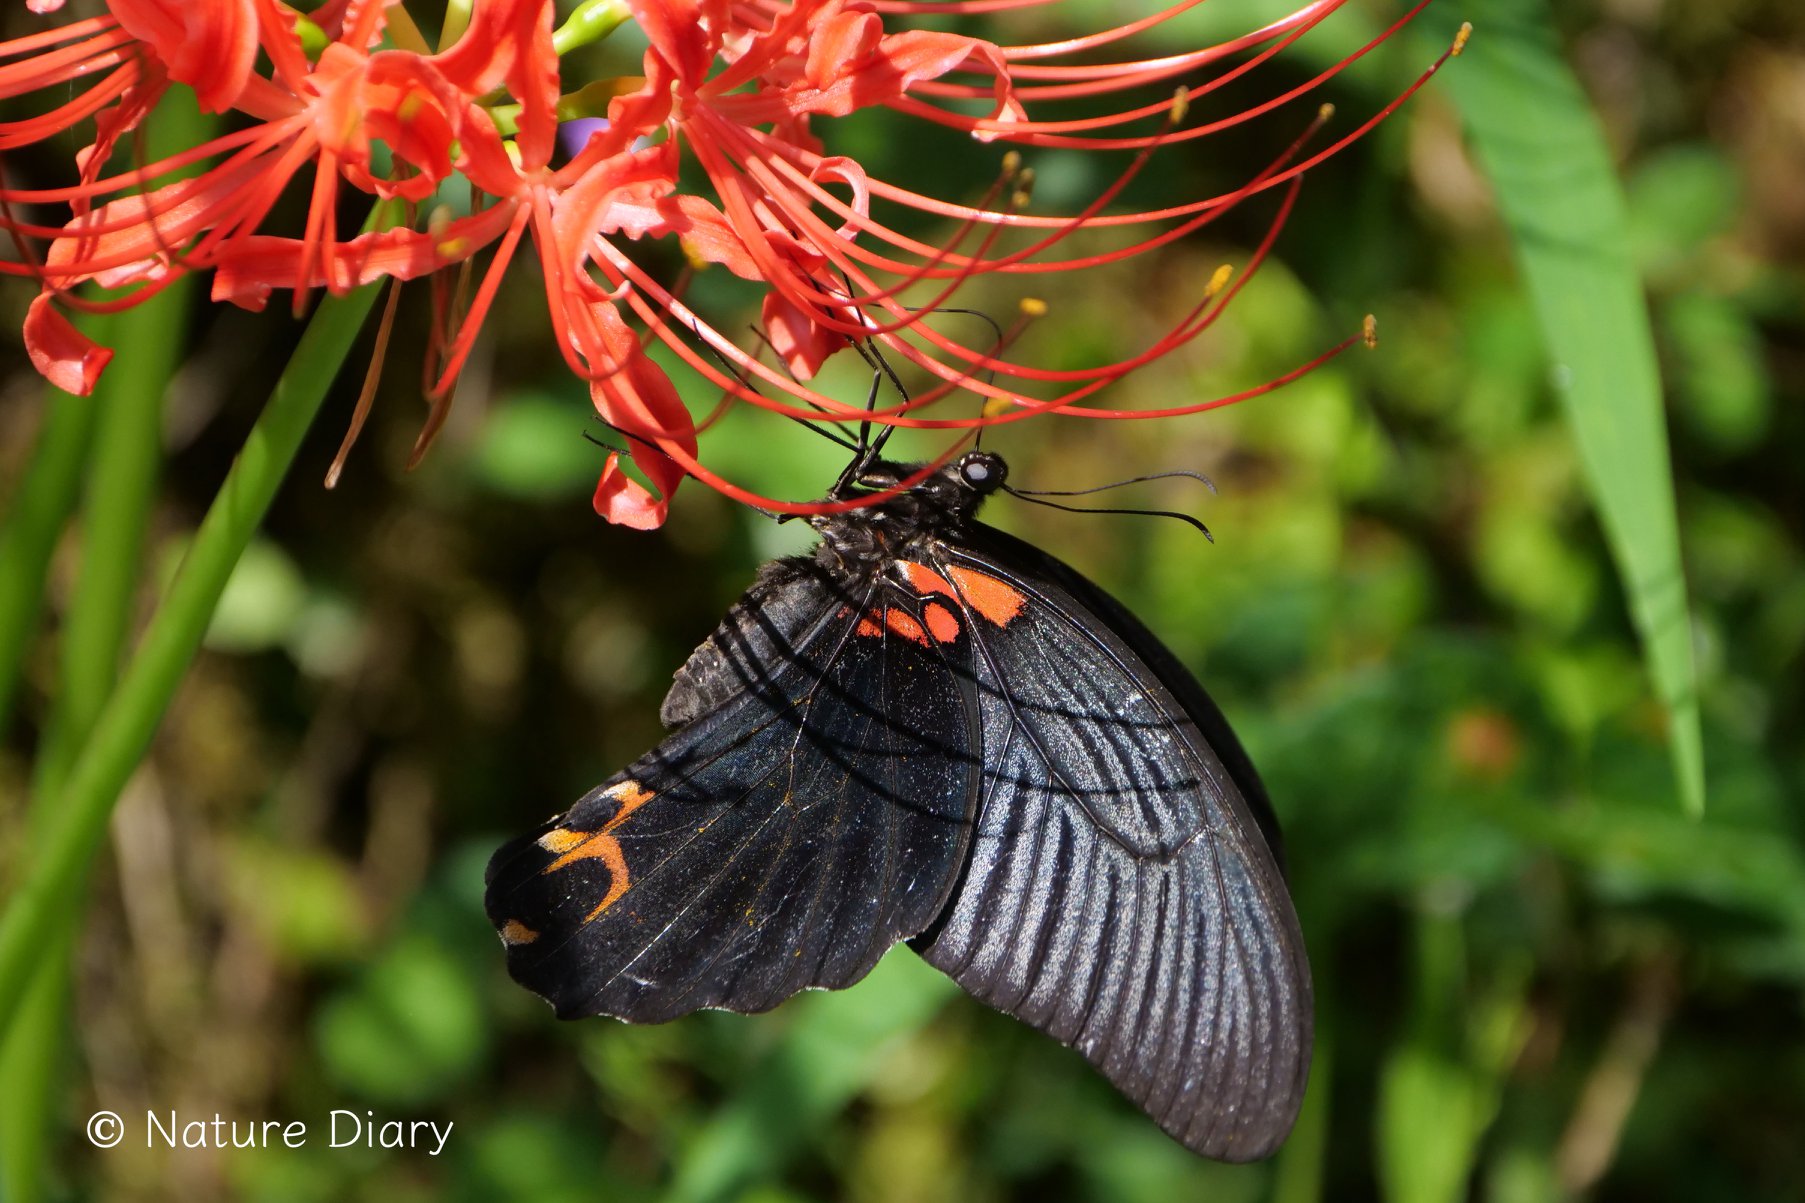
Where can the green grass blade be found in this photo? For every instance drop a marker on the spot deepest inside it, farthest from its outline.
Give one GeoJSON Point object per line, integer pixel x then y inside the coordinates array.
{"type": "Point", "coordinates": [1539, 141]}
{"type": "Point", "coordinates": [121, 493]}
{"type": "Point", "coordinates": [51, 889]}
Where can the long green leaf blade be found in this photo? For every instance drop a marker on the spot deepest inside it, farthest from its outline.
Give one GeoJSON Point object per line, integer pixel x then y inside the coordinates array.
{"type": "Point", "coordinates": [1539, 141]}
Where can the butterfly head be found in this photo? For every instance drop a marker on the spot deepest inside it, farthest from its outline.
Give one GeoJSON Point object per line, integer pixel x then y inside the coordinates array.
{"type": "Point", "coordinates": [959, 485]}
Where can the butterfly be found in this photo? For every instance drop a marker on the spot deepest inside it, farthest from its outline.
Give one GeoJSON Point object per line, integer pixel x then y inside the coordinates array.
{"type": "Point", "coordinates": [930, 731]}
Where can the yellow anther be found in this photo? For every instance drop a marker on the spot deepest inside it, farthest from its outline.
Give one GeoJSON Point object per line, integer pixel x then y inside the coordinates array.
{"type": "Point", "coordinates": [1460, 39]}
{"type": "Point", "coordinates": [1024, 188]}
{"type": "Point", "coordinates": [1219, 279]}
{"type": "Point", "coordinates": [1032, 307]}
{"type": "Point", "coordinates": [1369, 332]}
{"type": "Point", "coordinates": [692, 254]}
{"type": "Point", "coordinates": [1181, 104]}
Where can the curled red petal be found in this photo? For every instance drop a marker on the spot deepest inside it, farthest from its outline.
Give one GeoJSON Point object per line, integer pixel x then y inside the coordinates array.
{"type": "Point", "coordinates": [620, 195]}
{"type": "Point", "coordinates": [131, 233]}
{"type": "Point", "coordinates": [844, 40]}
{"type": "Point", "coordinates": [210, 46]}
{"type": "Point", "coordinates": [624, 501]}
{"type": "Point", "coordinates": [247, 269]}
{"type": "Point", "coordinates": [398, 98]}
{"type": "Point", "coordinates": [848, 70]}
{"type": "Point", "coordinates": [803, 343]}
{"type": "Point", "coordinates": [634, 396]}
{"type": "Point", "coordinates": [533, 81]}
{"type": "Point", "coordinates": [678, 35]}
{"type": "Point", "coordinates": [706, 235]}
{"type": "Point", "coordinates": [62, 354]}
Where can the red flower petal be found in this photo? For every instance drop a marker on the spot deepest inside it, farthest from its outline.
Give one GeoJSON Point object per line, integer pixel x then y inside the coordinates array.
{"type": "Point", "coordinates": [134, 230]}
{"type": "Point", "coordinates": [395, 97]}
{"type": "Point", "coordinates": [249, 268]}
{"type": "Point", "coordinates": [634, 396]}
{"type": "Point", "coordinates": [64, 355]}
{"type": "Point", "coordinates": [210, 46]}
{"type": "Point", "coordinates": [799, 340]}
{"type": "Point", "coordinates": [679, 34]}
{"type": "Point", "coordinates": [624, 501]}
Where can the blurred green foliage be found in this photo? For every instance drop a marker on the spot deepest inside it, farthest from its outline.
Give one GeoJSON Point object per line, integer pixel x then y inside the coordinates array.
{"type": "Point", "coordinates": [1537, 978]}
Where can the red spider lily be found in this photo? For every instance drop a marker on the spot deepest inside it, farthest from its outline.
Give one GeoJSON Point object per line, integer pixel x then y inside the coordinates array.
{"type": "Point", "coordinates": [735, 86]}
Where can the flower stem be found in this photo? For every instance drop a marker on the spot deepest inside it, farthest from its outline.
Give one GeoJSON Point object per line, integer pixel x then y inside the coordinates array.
{"type": "Point", "coordinates": [40, 507]}
{"type": "Point", "coordinates": [457, 20]}
{"type": "Point", "coordinates": [121, 491]}
{"type": "Point", "coordinates": [592, 21]}
{"type": "Point", "coordinates": [76, 821]}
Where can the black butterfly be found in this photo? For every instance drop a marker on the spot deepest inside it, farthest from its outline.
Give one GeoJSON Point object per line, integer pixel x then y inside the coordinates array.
{"type": "Point", "coordinates": [930, 731]}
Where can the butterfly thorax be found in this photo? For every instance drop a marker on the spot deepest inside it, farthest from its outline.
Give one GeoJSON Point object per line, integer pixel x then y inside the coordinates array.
{"type": "Point", "coordinates": [861, 542]}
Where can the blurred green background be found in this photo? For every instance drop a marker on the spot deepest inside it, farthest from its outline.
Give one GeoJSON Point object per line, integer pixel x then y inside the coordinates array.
{"type": "Point", "coordinates": [1537, 978]}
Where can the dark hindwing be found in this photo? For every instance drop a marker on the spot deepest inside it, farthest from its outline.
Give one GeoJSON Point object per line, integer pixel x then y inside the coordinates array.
{"type": "Point", "coordinates": [798, 823]}
{"type": "Point", "coordinates": [1120, 893]}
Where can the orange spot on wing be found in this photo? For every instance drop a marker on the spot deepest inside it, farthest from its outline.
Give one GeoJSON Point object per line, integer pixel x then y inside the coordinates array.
{"type": "Point", "coordinates": [562, 839]}
{"type": "Point", "coordinates": [631, 795]}
{"type": "Point", "coordinates": [996, 600]}
{"type": "Point", "coordinates": [942, 625]}
{"type": "Point", "coordinates": [516, 932]}
{"type": "Point", "coordinates": [870, 628]}
{"type": "Point", "coordinates": [617, 869]}
{"type": "Point", "coordinates": [572, 846]}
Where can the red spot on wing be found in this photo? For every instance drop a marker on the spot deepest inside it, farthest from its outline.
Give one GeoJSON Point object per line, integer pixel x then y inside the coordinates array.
{"type": "Point", "coordinates": [942, 624]}
{"type": "Point", "coordinates": [906, 626]}
{"type": "Point", "coordinates": [997, 601]}
{"type": "Point", "coordinates": [874, 623]}
{"type": "Point", "coordinates": [925, 580]}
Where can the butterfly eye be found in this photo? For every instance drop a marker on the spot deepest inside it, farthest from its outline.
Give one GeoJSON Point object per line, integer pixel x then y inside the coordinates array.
{"type": "Point", "coordinates": [983, 472]}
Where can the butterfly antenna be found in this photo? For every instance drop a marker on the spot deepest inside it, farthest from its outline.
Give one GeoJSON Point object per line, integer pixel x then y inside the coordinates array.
{"type": "Point", "coordinates": [881, 371]}
{"type": "Point", "coordinates": [745, 380]}
{"type": "Point", "coordinates": [864, 451]}
{"type": "Point", "coordinates": [605, 445]}
{"type": "Point", "coordinates": [990, 374]}
{"type": "Point", "coordinates": [1133, 480]}
{"type": "Point", "coordinates": [1187, 519]}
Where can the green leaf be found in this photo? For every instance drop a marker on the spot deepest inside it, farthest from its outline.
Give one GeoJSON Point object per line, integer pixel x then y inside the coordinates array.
{"type": "Point", "coordinates": [54, 880]}
{"type": "Point", "coordinates": [1538, 140]}
{"type": "Point", "coordinates": [836, 1044]}
{"type": "Point", "coordinates": [1442, 1085]}
{"type": "Point", "coordinates": [409, 1030]}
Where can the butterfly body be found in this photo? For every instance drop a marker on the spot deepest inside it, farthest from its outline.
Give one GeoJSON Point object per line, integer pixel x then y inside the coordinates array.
{"type": "Point", "coordinates": [930, 731]}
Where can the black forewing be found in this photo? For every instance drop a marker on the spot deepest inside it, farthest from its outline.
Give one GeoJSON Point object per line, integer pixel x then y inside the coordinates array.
{"type": "Point", "coordinates": [812, 810]}
{"type": "Point", "coordinates": [1121, 894]}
